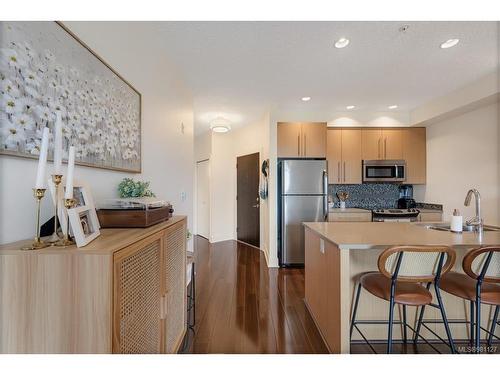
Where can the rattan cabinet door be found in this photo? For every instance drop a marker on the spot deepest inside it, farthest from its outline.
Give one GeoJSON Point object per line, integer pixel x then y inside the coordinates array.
{"type": "Point", "coordinates": [137, 297]}
{"type": "Point", "coordinates": [174, 277]}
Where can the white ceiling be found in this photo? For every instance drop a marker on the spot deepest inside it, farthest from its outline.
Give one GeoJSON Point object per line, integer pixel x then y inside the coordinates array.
{"type": "Point", "coordinates": [241, 70]}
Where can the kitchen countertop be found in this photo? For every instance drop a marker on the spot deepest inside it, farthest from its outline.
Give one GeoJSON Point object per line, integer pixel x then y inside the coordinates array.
{"type": "Point", "coordinates": [366, 235]}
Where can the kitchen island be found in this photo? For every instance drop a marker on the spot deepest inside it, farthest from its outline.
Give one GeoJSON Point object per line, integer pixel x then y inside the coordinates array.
{"type": "Point", "coordinates": [336, 254]}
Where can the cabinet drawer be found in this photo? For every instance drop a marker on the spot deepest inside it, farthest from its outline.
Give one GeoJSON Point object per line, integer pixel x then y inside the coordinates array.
{"type": "Point", "coordinates": [350, 216]}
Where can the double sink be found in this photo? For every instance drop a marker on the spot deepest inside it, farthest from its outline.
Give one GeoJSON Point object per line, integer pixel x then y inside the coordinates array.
{"type": "Point", "coordinates": [445, 227]}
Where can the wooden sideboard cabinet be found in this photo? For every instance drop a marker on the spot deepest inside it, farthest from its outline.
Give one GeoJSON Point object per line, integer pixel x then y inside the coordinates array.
{"type": "Point", "coordinates": [123, 293]}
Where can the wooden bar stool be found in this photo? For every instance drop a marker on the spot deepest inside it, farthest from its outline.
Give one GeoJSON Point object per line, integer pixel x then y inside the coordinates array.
{"type": "Point", "coordinates": [402, 269]}
{"type": "Point", "coordinates": [479, 285]}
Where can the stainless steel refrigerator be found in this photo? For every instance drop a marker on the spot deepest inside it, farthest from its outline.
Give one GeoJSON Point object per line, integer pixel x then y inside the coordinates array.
{"type": "Point", "coordinates": [303, 197]}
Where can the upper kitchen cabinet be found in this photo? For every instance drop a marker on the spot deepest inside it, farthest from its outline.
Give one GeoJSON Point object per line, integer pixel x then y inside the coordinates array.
{"type": "Point", "coordinates": [382, 144]}
{"type": "Point", "coordinates": [344, 156]}
{"type": "Point", "coordinates": [297, 140]}
{"type": "Point", "coordinates": [414, 153]}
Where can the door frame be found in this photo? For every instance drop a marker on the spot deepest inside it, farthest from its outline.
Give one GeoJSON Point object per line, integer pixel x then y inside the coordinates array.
{"type": "Point", "coordinates": [236, 201]}
{"type": "Point", "coordinates": [195, 210]}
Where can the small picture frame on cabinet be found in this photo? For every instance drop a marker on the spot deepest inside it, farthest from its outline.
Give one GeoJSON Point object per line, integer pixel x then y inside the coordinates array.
{"type": "Point", "coordinates": [84, 224]}
{"type": "Point", "coordinates": [82, 195]}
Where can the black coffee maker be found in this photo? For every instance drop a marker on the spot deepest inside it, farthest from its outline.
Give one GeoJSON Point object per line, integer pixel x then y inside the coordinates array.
{"type": "Point", "coordinates": [406, 197]}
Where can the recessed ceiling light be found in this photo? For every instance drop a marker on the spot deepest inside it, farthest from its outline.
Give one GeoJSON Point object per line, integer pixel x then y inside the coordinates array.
{"type": "Point", "coordinates": [393, 106]}
{"type": "Point", "coordinates": [341, 43]}
{"type": "Point", "coordinates": [220, 125]}
{"type": "Point", "coordinates": [449, 43]}
{"type": "Point", "coordinates": [306, 98]}
{"type": "Point", "coordinates": [350, 107]}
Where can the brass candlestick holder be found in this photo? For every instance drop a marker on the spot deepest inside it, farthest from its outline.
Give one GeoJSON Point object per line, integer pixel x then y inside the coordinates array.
{"type": "Point", "coordinates": [38, 243]}
{"type": "Point", "coordinates": [54, 238]}
{"type": "Point", "coordinates": [67, 241]}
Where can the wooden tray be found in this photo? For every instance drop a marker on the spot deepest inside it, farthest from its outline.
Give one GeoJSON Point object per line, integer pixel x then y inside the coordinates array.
{"type": "Point", "coordinates": [133, 218]}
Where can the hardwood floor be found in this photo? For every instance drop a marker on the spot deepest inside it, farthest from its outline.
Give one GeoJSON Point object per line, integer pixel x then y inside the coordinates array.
{"type": "Point", "coordinates": [242, 306]}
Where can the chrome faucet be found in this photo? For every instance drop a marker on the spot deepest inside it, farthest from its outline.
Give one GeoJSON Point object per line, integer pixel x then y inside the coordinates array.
{"type": "Point", "coordinates": [477, 221]}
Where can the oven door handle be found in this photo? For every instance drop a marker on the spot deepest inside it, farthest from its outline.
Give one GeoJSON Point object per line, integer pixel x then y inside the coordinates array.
{"type": "Point", "coordinates": [396, 166]}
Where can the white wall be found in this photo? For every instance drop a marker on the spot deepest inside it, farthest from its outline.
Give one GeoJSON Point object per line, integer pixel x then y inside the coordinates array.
{"type": "Point", "coordinates": [167, 151]}
{"type": "Point", "coordinates": [225, 149]}
{"type": "Point", "coordinates": [463, 153]}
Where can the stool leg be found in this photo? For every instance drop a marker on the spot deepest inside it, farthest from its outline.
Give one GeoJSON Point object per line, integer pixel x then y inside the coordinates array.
{"type": "Point", "coordinates": [445, 320]}
{"type": "Point", "coordinates": [419, 324]}
{"type": "Point", "coordinates": [420, 318]}
{"type": "Point", "coordinates": [356, 301]}
{"type": "Point", "coordinates": [391, 319]}
{"type": "Point", "coordinates": [404, 325]}
{"type": "Point", "coordinates": [478, 324]}
{"type": "Point", "coordinates": [472, 323]}
{"type": "Point", "coordinates": [494, 325]}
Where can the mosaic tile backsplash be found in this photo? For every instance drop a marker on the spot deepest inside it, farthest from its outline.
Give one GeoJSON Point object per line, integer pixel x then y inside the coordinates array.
{"type": "Point", "coordinates": [369, 196]}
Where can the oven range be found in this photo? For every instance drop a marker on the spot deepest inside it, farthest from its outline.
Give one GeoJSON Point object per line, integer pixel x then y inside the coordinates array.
{"type": "Point", "coordinates": [395, 214]}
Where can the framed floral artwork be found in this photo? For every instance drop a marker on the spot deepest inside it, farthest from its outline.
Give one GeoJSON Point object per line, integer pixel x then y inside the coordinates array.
{"type": "Point", "coordinates": [44, 69]}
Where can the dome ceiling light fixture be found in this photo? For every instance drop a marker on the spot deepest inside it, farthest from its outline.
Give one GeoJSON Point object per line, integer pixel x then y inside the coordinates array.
{"type": "Point", "coordinates": [220, 125]}
{"type": "Point", "coordinates": [306, 98]}
{"type": "Point", "coordinates": [341, 43]}
{"type": "Point", "coordinates": [449, 43]}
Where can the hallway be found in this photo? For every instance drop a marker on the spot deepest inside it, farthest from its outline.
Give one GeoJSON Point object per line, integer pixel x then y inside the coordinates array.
{"type": "Point", "coordinates": [245, 307]}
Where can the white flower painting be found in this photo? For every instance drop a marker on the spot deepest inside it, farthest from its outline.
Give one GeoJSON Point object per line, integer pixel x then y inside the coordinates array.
{"type": "Point", "coordinates": [45, 70]}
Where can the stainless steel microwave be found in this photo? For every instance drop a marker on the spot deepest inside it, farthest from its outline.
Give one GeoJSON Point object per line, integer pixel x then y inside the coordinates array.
{"type": "Point", "coordinates": [384, 170]}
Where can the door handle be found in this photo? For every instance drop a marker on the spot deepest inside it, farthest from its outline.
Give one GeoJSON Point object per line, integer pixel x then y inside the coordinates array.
{"type": "Point", "coordinates": [338, 171]}
{"type": "Point", "coordinates": [344, 171]}
{"type": "Point", "coordinates": [325, 196]}
{"type": "Point", "coordinates": [305, 145]}
{"type": "Point", "coordinates": [256, 206]}
{"type": "Point", "coordinates": [298, 145]}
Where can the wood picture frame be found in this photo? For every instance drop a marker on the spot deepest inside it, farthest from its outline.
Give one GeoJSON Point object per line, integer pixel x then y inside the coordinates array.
{"type": "Point", "coordinates": [84, 224]}
{"type": "Point", "coordinates": [81, 192]}
{"type": "Point", "coordinates": [101, 110]}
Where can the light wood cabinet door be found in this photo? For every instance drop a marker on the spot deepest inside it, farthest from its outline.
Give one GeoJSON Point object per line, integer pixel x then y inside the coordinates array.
{"type": "Point", "coordinates": [332, 295]}
{"type": "Point", "coordinates": [174, 287]}
{"type": "Point", "coordinates": [315, 279]}
{"type": "Point", "coordinates": [314, 139]}
{"type": "Point", "coordinates": [351, 156]}
{"type": "Point", "coordinates": [371, 144]}
{"type": "Point", "coordinates": [392, 144]}
{"type": "Point", "coordinates": [137, 298]}
{"type": "Point", "coordinates": [289, 140]}
{"type": "Point", "coordinates": [415, 154]}
{"type": "Point", "coordinates": [334, 155]}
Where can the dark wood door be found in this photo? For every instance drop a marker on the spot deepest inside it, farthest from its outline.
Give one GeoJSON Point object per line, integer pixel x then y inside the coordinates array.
{"type": "Point", "coordinates": [247, 198]}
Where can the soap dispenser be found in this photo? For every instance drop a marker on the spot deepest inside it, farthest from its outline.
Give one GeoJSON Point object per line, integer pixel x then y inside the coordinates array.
{"type": "Point", "coordinates": [456, 225]}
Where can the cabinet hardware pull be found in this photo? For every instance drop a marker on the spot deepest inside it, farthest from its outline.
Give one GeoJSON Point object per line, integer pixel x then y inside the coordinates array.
{"type": "Point", "coordinates": [305, 145]}
{"type": "Point", "coordinates": [298, 144]}
{"type": "Point", "coordinates": [378, 148]}
{"type": "Point", "coordinates": [385, 148]}
{"type": "Point", "coordinates": [344, 171]}
{"type": "Point", "coordinates": [338, 171]}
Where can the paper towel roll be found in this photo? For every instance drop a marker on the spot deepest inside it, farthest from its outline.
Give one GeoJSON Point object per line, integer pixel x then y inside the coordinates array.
{"type": "Point", "coordinates": [456, 224]}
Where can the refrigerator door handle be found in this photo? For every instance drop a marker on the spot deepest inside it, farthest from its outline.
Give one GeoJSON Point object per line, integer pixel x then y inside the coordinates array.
{"type": "Point", "coordinates": [325, 195]}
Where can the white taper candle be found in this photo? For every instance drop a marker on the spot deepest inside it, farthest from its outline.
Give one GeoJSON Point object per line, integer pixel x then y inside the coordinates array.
{"type": "Point", "coordinates": [42, 160]}
{"type": "Point", "coordinates": [58, 144]}
{"type": "Point", "coordinates": [68, 194]}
